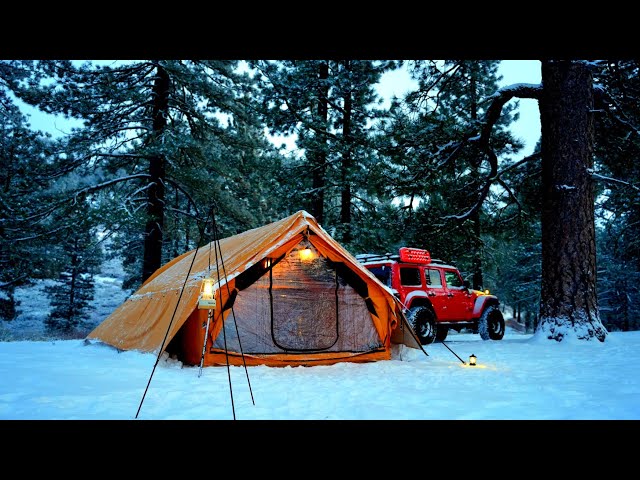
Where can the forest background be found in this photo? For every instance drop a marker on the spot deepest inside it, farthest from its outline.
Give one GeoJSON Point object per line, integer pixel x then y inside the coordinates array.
{"type": "Point", "coordinates": [156, 149]}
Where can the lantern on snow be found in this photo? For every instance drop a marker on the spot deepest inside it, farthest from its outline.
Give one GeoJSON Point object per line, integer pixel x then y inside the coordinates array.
{"type": "Point", "coordinates": [472, 360]}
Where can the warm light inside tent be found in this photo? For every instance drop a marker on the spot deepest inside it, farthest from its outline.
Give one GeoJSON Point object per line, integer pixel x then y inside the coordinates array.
{"type": "Point", "coordinates": [206, 299]}
{"type": "Point", "coordinates": [472, 360]}
{"type": "Point", "coordinates": [306, 254]}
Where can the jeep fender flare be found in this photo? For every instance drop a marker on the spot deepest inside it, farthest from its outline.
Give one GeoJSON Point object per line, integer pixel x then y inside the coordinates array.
{"type": "Point", "coordinates": [419, 299]}
{"type": "Point", "coordinates": [483, 302]}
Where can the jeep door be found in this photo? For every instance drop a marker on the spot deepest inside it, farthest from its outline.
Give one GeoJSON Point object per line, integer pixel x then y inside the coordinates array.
{"type": "Point", "coordinates": [436, 292]}
{"type": "Point", "coordinates": [458, 300]}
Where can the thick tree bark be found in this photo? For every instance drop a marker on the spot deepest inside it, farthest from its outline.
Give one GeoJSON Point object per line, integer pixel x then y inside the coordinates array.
{"type": "Point", "coordinates": [345, 194]}
{"type": "Point", "coordinates": [320, 164]}
{"type": "Point", "coordinates": [152, 257]}
{"type": "Point", "coordinates": [568, 306]}
{"type": "Point", "coordinates": [475, 216]}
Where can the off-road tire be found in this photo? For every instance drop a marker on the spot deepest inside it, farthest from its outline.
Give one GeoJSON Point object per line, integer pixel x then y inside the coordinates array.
{"type": "Point", "coordinates": [491, 324]}
{"type": "Point", "coordinates": [441, 333]}
{"type": "Point", "coordinates": [423, 322]}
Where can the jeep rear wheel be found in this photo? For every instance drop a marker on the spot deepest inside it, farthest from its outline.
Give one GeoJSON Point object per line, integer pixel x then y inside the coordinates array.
{"type": "Point", "coordinates": [441, 333]}
{"type": "Point", "coordinates": [491, 324]}
{"type": "Point", "coordinates": [423, 322]}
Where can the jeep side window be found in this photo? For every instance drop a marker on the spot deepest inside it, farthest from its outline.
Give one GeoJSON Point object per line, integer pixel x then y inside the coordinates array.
{"type": "Point", "coordinates": [452, 279]}
{"type": "Point", "coordinates": [410, 277]}
{"type": "Point", "coordinates": [433, 278]}
{"type": "Point", "coordinates": [383, 274]}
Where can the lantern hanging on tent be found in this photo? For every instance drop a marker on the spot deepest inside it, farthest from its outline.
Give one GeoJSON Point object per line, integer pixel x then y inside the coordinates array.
{"type": "Point", "coordinates": [306, 254]}
{"type": "Point", "coordinates": [207, 300]}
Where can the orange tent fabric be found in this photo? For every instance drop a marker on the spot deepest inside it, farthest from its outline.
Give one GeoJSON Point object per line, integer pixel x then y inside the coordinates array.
{"type": "Point", "coordinates": [286, 294]}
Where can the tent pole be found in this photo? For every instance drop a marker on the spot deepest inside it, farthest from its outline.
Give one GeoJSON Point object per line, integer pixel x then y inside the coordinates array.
{"type": "Point", "coordinates": [161, 349]}
{"type": "Point", "coordinates": [209, 315]}
{"type": "Point", "coordinates": [206, 336]}
{"type": "Point", "coordinates": [233, 313]}
{"type": "Point", "coordinates": [217, 250]}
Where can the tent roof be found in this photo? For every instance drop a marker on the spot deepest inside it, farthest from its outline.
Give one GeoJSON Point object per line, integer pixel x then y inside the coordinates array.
{"type": "Point", "coordinates": [152, 316]}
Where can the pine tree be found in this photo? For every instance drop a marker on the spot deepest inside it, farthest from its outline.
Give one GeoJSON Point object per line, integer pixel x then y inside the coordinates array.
{"type": "Point", "coordinates": [435, 166]}
{"type": "Point", "coordinates": [295, 101]}
{"type": "Point", "coordinates": [568, 304]}
{"type": "Point", "coordinates": [568, 300]}
{"type": "Point", "coordinates": [156, 143]}
{"type": "Point", "coordinates": [25, 156]}
{"type": "Point", "coordinates": [513, 245]}
{"type": "Point", "coordinates": [617, 146]}
{"type": "Point", "coordinates": [80, 256]}
{"type": "Point", "coordinates": [329, 105]}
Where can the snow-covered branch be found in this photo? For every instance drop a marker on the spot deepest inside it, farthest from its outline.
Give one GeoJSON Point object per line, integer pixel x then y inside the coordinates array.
{"type": "Point", "coordinates": [619, 115]}
{"type": "Point", "coordinates": [83, 191]}
{"type": "Point", "coordinates": [121, 155]}
{"type": "Point", "coordinates": [612, 180]}
{"type": "Point", "coordinates": [511, 194]}
{"type": "Point", "coordinates": [15, 281]}
{"type": "Point", "coordinates": [186, 214]}
{"type": "Point", "coordinates": [498, 101]}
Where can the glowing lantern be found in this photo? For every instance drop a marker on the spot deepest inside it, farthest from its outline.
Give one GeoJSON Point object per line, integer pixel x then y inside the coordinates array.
{"type": "Point", "coordinates": [472, 360]}
{"type": "Point", "coordinates": [306, 254]}
{"type": "Point", "coordinates": [206, 299]}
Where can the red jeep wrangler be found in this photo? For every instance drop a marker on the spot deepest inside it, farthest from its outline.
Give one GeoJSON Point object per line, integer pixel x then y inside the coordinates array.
{"type": "Point", "coordinates": [435, 296]}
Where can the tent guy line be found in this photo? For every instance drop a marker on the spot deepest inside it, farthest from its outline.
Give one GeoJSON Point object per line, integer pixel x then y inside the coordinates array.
{"type": "Point", "coordinates": [167, 332]}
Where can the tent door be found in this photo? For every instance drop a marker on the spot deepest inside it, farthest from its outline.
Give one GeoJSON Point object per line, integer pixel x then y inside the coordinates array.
{"type": "Point", "coordinates": [303, 292]}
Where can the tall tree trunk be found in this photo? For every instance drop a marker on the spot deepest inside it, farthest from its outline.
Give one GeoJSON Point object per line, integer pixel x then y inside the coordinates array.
{"type": "Point", "coordinates": [72, 287]}
{"type": "Point", "coordinates": [622, 297]}
{"type": "Point", "coordinates": [152, 257]}
{"type": "Point", "coordinates": [320, 164]}
{"type": "Point", "coordinates": [568, 305]}
{"type": "Point", "coordinates": [345, 194]}
{"type": "Point", "coordinates": [476, 240]}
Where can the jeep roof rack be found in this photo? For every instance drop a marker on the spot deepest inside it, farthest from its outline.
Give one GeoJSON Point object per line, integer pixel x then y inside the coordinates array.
{"type": "Point", "coordinates": [376, 257]}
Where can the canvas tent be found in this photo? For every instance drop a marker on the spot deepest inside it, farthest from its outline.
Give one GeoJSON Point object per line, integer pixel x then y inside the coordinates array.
{"type": "Point", "coordinates": [288, 294]}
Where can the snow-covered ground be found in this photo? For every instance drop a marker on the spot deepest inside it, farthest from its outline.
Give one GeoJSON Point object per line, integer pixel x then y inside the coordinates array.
{"type": "Point", "coordinates": [519, 377]}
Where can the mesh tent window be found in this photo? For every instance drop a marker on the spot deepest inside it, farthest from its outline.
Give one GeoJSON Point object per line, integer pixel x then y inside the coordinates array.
{"type": "Point", "coordinates": [300, 306]}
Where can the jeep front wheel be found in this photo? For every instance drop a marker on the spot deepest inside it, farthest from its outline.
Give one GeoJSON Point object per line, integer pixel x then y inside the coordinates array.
{"type": "Point", "coordinates": [423, 322]}
{"type": "Point", "coordinates": [491, 324]}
